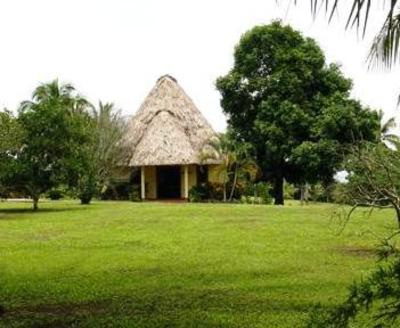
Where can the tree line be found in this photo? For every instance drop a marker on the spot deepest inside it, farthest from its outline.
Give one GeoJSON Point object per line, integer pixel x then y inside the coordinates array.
{"type": "Point", "coordinates": [290, 118]}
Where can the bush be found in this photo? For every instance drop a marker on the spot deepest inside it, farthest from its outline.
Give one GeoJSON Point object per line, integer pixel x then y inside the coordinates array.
{"type": "Point", "coordinates": [258, 193]}
{"type": "Point", "coordinates": [198, 193]}
{"type": "Point", "coordinates": [4, 194]}
{"type": "Point", "coordinates": [288, 191]}
{"type": "Point", "coordinates": [263, 191]}
{"type": "Point", "coordinates": [86, 190]}
{"type": "Point", "coordinates": [206, 191]}
{"type": "Point", "coordinates": [56, 193]}
{"type": "Point", "coordinates": [339, 194]}
{"type": "Point", "coordinates": [134, 194]}
{"type": "Point", "coordinates": [118, 191]}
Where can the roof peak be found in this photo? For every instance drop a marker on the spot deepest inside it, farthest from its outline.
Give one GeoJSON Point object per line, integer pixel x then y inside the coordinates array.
{"type": "Point", "coordinates": [167, 76]}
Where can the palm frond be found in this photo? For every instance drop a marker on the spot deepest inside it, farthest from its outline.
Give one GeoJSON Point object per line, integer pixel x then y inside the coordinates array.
{"type": "Point", "coordinates": [384, 49]}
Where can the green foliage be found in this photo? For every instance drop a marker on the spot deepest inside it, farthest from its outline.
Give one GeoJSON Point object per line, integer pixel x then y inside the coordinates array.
{"type": "Point", "coordinates": [209, 191]}
{"type": "Point", "coordinates": [258, 193]}
{"type": "Point", "coordinates": [263, 191]}
{"type": "Point", "coordinates": [54, 129]}
{"type": "Point", "coordinates": [236, 165]}
{"type": "Point", "coordinates": [120, 190]}
{"type": "Point", "coordinates": [318, 193]}
{"type": "Point", "coordinates": [106, 150]}
{"type": "Point", "coordinates": [86, 188]}
{"type": "Point", "coordinates": [198, 193]}
{"type": "Point", "coordinates": [56, 193]}
{"type": "Point", "coordinates": [288, 190]}
{"type": "Point", "coordinates": [293, 108]}
{"type": "Point", "coordinates": [134, 194]}
{"type": "Point", "coordinates": [378, 294]}
{"type": "Point", "coordinates": [373, 182]}
{"type": "Point", "coordinates": [11, 134]}
{"type": "Point", "coordinates": [385, 46]}
{"type": "Point", "coordinates": [339, 194]}
{"type": "Point", "coordinates": [374, 176]}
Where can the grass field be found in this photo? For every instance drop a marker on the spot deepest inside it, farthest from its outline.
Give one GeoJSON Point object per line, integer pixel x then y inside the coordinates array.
{"type": "Point", "coordinates": [122, 264]}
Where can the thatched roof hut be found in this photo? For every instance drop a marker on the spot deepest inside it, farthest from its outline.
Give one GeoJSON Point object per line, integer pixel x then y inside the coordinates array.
{"type": "Point", "coordinates": [168, 134]}
{"type": "Point", "coordinates": [168, 129]}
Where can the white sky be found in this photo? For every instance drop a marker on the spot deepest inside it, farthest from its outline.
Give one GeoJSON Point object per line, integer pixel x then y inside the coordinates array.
{"type": "Point", "coordinates": [115, 50]}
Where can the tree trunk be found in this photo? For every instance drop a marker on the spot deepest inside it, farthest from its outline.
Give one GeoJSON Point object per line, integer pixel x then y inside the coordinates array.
{"type": "Point", "coordinates": [278, 188]}
{"type": "Point", "coordinates": [306, 192]}
{"type": "Point", "coordinates": [35, 200]}
{"type": "Point", "coordinates": [302, 191]}
{"type": "Point", "coordinates": [397, 209]}
{"type": "Point", "coordinates": [224, 192]}
{"type": "Point", "coordinates": [234, 183]}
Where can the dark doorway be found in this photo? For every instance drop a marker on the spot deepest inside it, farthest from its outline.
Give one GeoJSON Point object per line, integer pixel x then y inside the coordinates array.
{"type": "Point", "coordinates": [168, 182]}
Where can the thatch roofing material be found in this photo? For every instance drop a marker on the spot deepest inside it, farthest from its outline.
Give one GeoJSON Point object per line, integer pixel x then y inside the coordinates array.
{"type": "Point", "coordinates": [168, 129]}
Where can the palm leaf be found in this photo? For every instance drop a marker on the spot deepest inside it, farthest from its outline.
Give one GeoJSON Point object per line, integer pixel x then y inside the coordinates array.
{"type": "Point", "coordinates": [384, 49]}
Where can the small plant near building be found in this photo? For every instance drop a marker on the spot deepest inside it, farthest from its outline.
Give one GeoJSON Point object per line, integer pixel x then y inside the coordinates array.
{"type": "Point", "coordinates": [134, 194]}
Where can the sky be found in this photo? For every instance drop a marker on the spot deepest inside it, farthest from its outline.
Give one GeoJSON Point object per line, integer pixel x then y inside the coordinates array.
{"type": "Point", "coordinates": [114, 50]}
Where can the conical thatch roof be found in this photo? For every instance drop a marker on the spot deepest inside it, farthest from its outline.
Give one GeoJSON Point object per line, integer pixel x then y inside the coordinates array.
{"type": "Point", "coordinates": [168, 129]}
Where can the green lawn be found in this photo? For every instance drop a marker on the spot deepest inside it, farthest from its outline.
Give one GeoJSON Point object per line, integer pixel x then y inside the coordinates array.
{"type": "Point", "coordinates": [122, 264]}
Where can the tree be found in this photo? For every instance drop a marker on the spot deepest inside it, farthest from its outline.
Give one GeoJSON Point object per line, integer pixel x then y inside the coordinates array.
{"type": "Point", "coordinates": [52, 134]}
{"type": "Point", "coordinates": [292, 107]}
{"type": "Point", "coordinates": [106, 151]}
{"type": "Point", "coordinates": [234, 158]}
{"type": "Point", "coordinates": [11, 135]}
{"type": "Point", "coordinates": [374, 177]}
{"type": "Point", "coordinates": [384, 48]}
{"type": "Point", "coordinates": [373, 182]}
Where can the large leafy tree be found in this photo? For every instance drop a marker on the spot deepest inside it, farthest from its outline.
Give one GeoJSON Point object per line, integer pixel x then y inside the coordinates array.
{"type": "Point", "coordinates": [11, 135]}
{"type": "Point", "coordinates": [295, 110]}
{"type": "Point", "coordinates": [54, 128]}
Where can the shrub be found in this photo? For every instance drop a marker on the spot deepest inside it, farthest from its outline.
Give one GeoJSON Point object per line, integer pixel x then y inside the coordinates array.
{"type": "Point", "coordinates": [263, 191]}
{"type": "Point", "coordinates": [259, 193]}
{"type": "Point", "coordinates": [198, 193]}
{"type": "Point", "coordinates": [56, 193]}
{"type": "Point", "coordinates": [340, 194]}
{"type": "Point", "coordinates": [86, 190]}
{"type": "Point", "coordinates": [206, 191]}
{"type": "Point", "coordinates": [4, 194]}
{"type": "Point", "coordinates": [134, 194]}
{"type": "Point", "coordinates": [118, 191]}
{"type": "Point", "coordinates": [288, 191]}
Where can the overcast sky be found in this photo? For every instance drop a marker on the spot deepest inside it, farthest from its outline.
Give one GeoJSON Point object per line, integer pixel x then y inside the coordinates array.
{"type": "Point", "coordinates": [115, 50]}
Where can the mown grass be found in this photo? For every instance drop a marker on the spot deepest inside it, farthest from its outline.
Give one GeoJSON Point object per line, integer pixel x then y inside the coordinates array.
{"type": "Point", "coordinates": [122, 264]}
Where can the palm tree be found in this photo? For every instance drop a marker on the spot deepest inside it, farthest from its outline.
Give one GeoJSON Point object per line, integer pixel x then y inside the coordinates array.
{"type": "Point", "coordinates": [386, 134]}
{"type": "Point", "coordinates": [234, 161]}
{"type": "Point", "coordinates": [56, 94]}
{"type": "Point", "coordinates": [110, 150]}
{"type": "Point", "coordinates": [384, 49]}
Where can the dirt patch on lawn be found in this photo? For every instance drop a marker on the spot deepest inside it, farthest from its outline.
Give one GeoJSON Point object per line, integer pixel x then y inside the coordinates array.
{"type": "Point", "coordinates": [357, 251]}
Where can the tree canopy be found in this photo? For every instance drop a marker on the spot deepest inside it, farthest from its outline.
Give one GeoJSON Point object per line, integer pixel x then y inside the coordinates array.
{"type": "Point", "coordinates": [54, 127]}
{"type": "Point", "coordinates": [283, 98]}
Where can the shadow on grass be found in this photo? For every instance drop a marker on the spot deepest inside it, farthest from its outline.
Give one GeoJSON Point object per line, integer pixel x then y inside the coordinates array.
{"type": "Point", "coordinates": [208, 307]}
{"type": "Point", "coordinates": [11, 213]}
